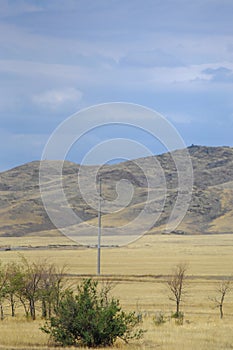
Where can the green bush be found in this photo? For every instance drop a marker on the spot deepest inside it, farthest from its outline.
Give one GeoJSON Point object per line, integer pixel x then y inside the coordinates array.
{"type": "Point", "coordinates": [91, 318]}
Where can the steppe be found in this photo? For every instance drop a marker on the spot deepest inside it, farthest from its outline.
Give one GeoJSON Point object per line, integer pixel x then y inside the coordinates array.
{"type": "Point", "coordinates": [139, 272]}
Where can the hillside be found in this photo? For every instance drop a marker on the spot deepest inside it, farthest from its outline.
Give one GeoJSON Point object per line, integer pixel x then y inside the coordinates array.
{"type": "Point", "coordinates": [210, 211]}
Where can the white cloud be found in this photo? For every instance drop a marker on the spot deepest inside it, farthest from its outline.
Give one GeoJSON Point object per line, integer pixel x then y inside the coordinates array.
{"type": "Point", "coordinates": [55, 99]}
{"type": "Point", "coordinates": [220, 74]}
{"type": "Point", "coordinates": [10, 8]}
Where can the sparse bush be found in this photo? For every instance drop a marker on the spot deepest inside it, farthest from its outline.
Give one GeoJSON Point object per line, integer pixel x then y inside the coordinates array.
{"type": "Point", "coordinates": [159, 318]}
{"type": "Point", "coordinates": [91, 318]}
{"type": "Point", "coordinates": [179, 318]}
{"type": "Point", "coordinates": [139, 317]}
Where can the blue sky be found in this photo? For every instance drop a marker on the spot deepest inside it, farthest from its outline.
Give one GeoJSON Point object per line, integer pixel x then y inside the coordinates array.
{"type": "Point", "coordinates": [57, 57]}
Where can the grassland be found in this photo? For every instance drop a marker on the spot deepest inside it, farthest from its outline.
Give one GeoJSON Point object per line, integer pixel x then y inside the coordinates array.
{"type": "Point", "coordinates": [139, 271]}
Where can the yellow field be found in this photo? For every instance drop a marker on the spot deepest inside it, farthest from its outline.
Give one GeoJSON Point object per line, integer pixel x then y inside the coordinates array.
{"type": "Point", "coordinates": [140, 271]}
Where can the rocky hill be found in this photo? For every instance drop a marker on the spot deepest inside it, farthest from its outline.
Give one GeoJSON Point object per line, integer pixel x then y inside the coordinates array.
{"type": "Point", "coordinates": [210, 211]}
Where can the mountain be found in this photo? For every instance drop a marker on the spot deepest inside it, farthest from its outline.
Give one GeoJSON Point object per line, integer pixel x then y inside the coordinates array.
{"type": "Point", "coordinates": [210, 210]}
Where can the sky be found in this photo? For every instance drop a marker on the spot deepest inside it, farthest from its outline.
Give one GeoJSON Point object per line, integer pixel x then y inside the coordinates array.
{"type": "Point", "coordinates": [58, 57]}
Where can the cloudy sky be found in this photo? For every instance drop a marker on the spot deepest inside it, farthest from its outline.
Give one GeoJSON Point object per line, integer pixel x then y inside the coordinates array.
{"type": "Point", "coordinates": [60, 56]}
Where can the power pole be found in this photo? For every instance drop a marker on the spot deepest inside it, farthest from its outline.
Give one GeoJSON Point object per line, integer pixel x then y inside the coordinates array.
{"type": "Point", "coordinates": [99, 229]}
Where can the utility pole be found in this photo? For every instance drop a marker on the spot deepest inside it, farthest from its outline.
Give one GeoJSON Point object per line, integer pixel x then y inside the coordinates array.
{"type": "Point", "coordinates": [99, 229]}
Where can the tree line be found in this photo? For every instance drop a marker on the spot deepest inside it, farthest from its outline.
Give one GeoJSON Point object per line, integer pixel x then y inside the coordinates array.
{"type": "Point", "coordinates": [35, 287]}
{"type": "Point", "coordinates": [88, 316]}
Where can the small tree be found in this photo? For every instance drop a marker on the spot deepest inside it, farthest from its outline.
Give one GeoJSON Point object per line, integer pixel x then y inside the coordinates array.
{"type": "Point", "coordinates": [3, 281]}
{"type": "Point", "coordinates": [13, 284]}
{"type": "Point", "coordinates": [176, 283]}
{"type": "Point", "coordinates": [50, 289]}
{"type": "Point", "coordinates": [222, 289]}
{"type": "Point", "coordinates": [30, 288]}
{"type": "Point", "coordinates": [91, 318]}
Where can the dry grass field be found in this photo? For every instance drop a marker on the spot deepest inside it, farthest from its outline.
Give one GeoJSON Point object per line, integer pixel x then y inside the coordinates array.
{"type": "Point", "coordinates": [139, 272]}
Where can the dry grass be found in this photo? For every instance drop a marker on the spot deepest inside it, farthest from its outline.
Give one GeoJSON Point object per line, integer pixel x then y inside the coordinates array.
{"type": "Point", "coordinates": [140, 271]}
{"type": "Point", "coordinates": [21, 333]}
{"type": "Point", "coordinates": [198, 334]}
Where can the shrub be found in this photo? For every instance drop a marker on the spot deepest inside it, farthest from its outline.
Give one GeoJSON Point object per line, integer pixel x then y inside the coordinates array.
{"type": "Point", "coordinates": [179, 318]}
{"type": "Point", "coordinates": [91, 318]}
{"type": "Point", "coordinates": [159, 319]}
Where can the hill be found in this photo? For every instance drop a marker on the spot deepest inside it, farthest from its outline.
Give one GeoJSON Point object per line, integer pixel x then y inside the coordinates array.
{"type": "Point", "coordinates": [210, 211]}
